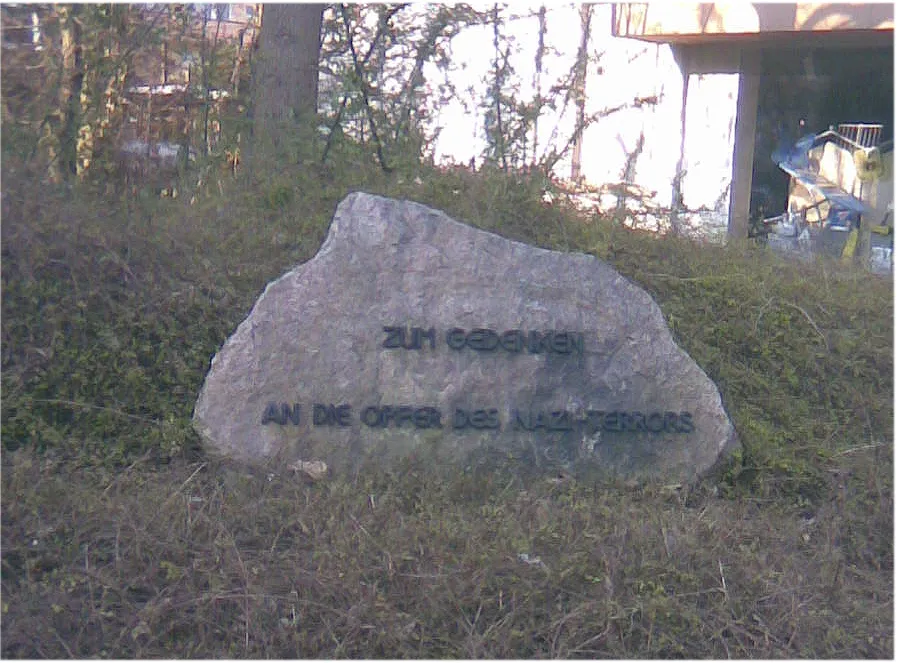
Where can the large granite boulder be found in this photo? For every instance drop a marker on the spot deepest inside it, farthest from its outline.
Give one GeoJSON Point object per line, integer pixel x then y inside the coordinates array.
{"type": "Point", "coordinates": [412, 334]}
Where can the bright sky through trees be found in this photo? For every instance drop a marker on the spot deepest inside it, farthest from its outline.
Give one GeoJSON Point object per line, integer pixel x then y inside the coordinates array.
{"type": "Point", "coordinates": [461, 121]}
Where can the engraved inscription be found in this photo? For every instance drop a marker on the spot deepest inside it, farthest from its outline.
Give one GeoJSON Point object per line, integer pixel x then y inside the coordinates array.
{"type": "Point", "coordinates": [460, 419]}
{"type": "Point", "coordinates": [281, 413]}
{"type": "Point", "coordinates": [481, 339]}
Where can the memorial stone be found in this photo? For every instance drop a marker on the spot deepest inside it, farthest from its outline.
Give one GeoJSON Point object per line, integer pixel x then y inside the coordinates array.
{"type": "Point", "coordinates": [410, 333]}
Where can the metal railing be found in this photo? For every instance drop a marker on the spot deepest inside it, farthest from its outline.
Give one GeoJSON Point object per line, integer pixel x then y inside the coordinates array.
{"type": "Point", "coordinates": [861, 135]}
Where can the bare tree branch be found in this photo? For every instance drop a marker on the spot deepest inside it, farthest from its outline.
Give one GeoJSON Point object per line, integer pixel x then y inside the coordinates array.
{"type": "Point", "coordinates": [381, 29]}
{"type": "Point", "coordinates": [364, 90]}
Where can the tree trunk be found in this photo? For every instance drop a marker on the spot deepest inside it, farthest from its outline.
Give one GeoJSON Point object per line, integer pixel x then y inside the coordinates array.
{"type": "Point", "coordinates": [285, 77]}
{"type": "Point", "coordinates": [579, 90]}
{"type": "Point", "coordinates": [70, 90]}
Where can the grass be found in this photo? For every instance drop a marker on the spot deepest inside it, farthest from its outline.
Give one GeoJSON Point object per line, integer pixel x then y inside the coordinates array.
{"type": "Point", "coordinates": [122, 538]}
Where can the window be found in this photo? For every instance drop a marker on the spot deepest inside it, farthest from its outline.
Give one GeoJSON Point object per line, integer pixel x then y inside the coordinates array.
{"type": "Point", "coordinates": [211, 12]}
{"type": "Point", "coordinates": [220, 12]}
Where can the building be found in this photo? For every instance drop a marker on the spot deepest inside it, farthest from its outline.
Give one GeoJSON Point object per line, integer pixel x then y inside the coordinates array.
{"type": "Point", "coordinates": [755, 77]}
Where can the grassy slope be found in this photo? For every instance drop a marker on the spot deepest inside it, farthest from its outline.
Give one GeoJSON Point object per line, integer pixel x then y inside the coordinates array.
{"type": "Point", "coordinates": [120, 538]}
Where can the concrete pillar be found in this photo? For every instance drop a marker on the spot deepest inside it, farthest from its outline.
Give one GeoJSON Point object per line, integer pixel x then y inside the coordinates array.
{"type": "Point", "coordinates": [745, 134]}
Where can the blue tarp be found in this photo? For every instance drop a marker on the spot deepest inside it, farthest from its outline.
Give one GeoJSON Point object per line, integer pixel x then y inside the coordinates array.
{"type": "Point", "coordinates": [795, 162]}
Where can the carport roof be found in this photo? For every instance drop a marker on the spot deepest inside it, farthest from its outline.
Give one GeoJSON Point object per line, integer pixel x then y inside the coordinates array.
{"type": "Point", "coordinates": [838, 24]}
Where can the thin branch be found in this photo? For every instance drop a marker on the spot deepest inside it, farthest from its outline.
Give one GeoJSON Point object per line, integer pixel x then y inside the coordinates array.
{"type": "Point", "coordinates": [810, 320]}
{"type": "Point", "coordinates": [364, 90]}
{"type": "Point", "coordinates": [127, 469]}
{"type": "Point", "coordinates": [182, 486]}
{"type": "Point", "coordinates": [336, 123]}
{"type": "Point", "coordinates": [794, 306]}
{"type": "Point", "coordinates": [381, 28]}
{"type": "Point", "coordinates": [697, 279]}
{"type": "Point", "coordinates": [594, 117]}
{"type": "Point", "coordinates": [763, 308]}
{"type": "Point", "coordinates": [89, 406]}
{"type": "Point", "coordinates": [865, 447]}
{"type": "Point", "coordinates": [423, 53]}
{"type": "Point", "coordinates": [499, 79]}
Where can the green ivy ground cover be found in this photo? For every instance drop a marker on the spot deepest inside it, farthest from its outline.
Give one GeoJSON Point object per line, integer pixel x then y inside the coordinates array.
{"type": "Point", "coordinates": [122, 538]}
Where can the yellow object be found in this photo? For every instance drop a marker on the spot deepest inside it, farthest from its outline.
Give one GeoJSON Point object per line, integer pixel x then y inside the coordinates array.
{"type": "Point", "coordinates": [868, 164]}
{"type": "Point", "coordinates": [850, 246]}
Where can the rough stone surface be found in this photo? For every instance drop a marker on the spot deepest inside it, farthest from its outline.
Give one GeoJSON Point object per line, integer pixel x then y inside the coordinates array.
{"type": "Point", "coordinates": [592, 381]}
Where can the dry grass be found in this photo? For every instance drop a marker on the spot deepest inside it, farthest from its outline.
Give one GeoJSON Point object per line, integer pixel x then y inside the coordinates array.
{"type": "Point", "coordinates": [205, 560]}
